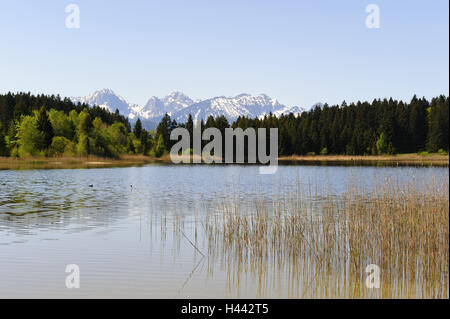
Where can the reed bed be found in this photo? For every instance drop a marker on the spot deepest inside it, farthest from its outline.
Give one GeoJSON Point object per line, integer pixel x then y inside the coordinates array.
{"type": "Point", "coordinates": [308, 246]}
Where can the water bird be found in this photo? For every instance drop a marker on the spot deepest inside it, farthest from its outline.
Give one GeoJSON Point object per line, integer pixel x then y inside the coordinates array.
{"type": "Point", "coordinates": [91, 185]}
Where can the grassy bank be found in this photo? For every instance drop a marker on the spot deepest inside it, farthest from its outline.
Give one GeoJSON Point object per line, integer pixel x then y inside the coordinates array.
{"type": "Point", "coordinates": [133, 160]}
{"type": "Point", "coordinates": [400, 159]}
{"type": "Point", "coordinates": [77, 162]}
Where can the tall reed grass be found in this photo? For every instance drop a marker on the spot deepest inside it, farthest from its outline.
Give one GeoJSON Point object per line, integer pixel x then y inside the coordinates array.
{"type": "Point", "coordinates": [312, 246]}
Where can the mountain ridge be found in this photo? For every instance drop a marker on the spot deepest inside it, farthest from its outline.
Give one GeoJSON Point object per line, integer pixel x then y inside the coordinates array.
{"type": "Point", "coordinates": [179, 106]}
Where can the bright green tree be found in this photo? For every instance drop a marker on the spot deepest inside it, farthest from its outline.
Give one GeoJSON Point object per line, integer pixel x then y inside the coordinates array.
{"type": "Point", "coordinates": [382, 145]}
{"type": "Point", "coordinates": [30, 139]}
{"type": "Point", "coordinates": [84, 124]}
{"type": "Point", "coordinates": [159, 147]}
{"type": "Point", "coordinates": [62, 124]}
{"type": "Point", "coordinates": [119, 135]}
{"type": "Point", "coordinates": [82, 148]}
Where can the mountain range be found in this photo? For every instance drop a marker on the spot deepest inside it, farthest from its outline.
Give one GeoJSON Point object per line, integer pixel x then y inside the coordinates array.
{"type": "Point", "coordinates": [179, 106]}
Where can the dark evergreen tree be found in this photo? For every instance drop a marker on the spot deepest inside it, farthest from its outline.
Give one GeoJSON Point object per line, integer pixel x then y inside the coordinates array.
{"type": "Point", "coordinates": [3, 149]}
{"type": "Point", "coordinates": [45, 126]}
{"type": "Point", "coordinates": [417, 124]}
{"type": "Point", "coordinates": [190, 128]}
{"type": "Point", "coordinates": [21, 108]}
{"type": "Point", "coordinates": [164, 128]}
{"type": "Point", "coordinates": [438, 124]}
{"type": "Point", "coordinates": [145, 142]}
{"type": "Point", "coordinates": [138, 128]}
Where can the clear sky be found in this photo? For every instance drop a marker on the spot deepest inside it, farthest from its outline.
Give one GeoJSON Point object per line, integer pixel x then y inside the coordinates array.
{"type": "Point", "coordinates": [300, 52]}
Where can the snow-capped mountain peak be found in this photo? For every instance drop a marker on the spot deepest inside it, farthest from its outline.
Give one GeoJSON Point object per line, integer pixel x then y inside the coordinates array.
{"type": "Point", "coordinates": [176, 101]}
{"type": "Point", "coordinates": [107, 99]}
{"type": "Point", "coordinates": [179, 106]}
{"type": "Point", "coordinates": [171, 103]}
{"type": "Point", "coordinates": [176, 95]}
{"type": "Point", "coordinates": [232, 107]}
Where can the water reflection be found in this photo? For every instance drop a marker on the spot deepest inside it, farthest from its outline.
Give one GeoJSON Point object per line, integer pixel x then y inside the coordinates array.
{"type": "Point", "coordinates": [158, 231]}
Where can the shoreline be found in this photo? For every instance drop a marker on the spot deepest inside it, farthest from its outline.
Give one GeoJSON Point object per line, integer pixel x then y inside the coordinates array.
{"type": "Point", "coordinates": [8, 163]}
{"type": "Point", "coordinates": [400, 159]}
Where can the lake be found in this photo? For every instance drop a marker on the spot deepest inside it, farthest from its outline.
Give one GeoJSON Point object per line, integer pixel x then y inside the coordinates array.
{"type": "Point", "coordinates": [141, 232]}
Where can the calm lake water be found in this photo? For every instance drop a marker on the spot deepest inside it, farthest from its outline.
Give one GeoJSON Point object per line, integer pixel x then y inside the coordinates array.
{"type": "Point", "coordinates": [137, 232]}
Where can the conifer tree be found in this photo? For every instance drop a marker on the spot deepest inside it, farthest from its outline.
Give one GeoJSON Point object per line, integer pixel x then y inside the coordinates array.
{"type": "Point", "coordinates": [190, 128]}
{"type": "Point", "coordinates": [3, 149]}
{"type": "Point", "coordinates": [138, 128]}
{"type": "Point", "coordinates": [164, 128]}
{"type": "Point", "coordinates": [45, 126]}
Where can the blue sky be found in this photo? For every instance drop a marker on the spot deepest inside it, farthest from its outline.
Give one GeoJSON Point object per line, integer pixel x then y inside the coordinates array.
{"type": "Point", "coordinates": [299, 52]}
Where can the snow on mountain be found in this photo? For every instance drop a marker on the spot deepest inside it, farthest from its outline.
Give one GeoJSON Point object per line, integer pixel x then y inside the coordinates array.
{"type": "Point", "coordinates": [153, 108]}
{"type": "Point", "coordinates": [179, 106]}
{"type": "Point", "coordinates": [176, 101]}
{"type": "Point", "coordinates": [296, 110]}
{"type": "Point", "coordinates": [156, 108]}
{"type": "Point", "coordinates": [232, 107]}
{"type": "Point", "coordinates": [106, 99]}
{"type": "Point", "coordinates": [318, 104]}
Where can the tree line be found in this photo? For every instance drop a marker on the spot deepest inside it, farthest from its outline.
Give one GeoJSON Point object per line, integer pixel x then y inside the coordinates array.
{"type": "Point", "coordinates": [362, 128]}
{"type": "Point", "coordinates": [44, 125]}
{"type": "Point", "coordinates": [50, 126]}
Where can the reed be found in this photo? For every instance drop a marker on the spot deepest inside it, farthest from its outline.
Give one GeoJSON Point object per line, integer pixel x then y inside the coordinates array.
{"type": "Point", "coordinates": [312, 246]}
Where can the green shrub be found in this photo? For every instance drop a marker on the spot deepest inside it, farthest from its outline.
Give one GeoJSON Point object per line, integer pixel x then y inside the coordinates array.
{"type": "Point", "coordinates": [71, 149]}
{"type": "Point", "coordinates": [58, 146]}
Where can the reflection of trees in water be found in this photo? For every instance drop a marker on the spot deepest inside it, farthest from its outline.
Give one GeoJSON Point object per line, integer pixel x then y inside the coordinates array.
{"type": "Point", "coordinates": [294, 241]}
{"type": "Point", "coordinates": [29, 207]}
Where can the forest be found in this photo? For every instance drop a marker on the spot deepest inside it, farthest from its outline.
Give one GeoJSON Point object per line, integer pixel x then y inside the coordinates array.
{"type": "Point", "coordinates": [49, 126]}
